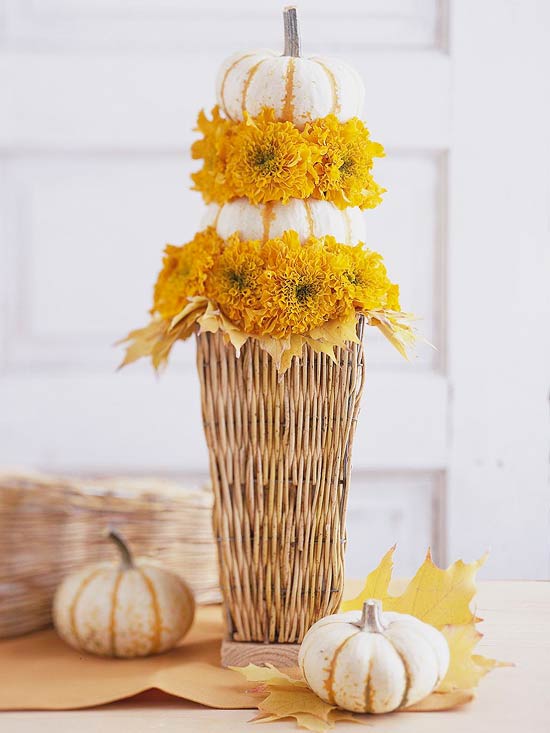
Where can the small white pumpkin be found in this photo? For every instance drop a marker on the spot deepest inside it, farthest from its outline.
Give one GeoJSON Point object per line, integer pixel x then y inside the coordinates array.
{"type": "Point", "coordinates": [309, 217]}
{"type": "Point", "coordinates": [373, 662]}
{"type": "Point", "coordinates": [132, 609]}
{"type": "Point", "coordinates": [298, 89]}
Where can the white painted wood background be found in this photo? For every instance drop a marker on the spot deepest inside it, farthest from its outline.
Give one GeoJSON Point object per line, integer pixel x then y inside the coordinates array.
{"type": "Point", "coordinates": [97, 104]}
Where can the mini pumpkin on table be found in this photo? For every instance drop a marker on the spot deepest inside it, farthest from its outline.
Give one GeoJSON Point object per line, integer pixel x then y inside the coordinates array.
{"type": "Point", "coordinates": [130, 609]}
{"type": "Point", "coordinates": [373, 662]}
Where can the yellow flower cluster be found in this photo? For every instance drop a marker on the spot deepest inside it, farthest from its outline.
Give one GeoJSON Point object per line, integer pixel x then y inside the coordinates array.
{"type": "Point", "coordinates": [277, 288]}
{"type": "Point", "coordinates": [184, 272]}
{"type": "Point", "coordinates": [266, 160]}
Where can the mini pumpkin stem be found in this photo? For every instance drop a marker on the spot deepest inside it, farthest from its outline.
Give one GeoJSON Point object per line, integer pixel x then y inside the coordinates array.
{"type": "Point", "coordinates": [126, 560]}
{"type": "Point", "coordinates": [292, 35]}
{"type": "Point", "coordinates": [371, 619]}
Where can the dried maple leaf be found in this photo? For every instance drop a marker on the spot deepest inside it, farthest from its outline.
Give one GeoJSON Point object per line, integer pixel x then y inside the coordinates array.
{"type": "Point", "coordinates": [288, 697]}
{"type": "Point", "coordinates": [441, 598]}
{"type": "Point", "coordinates": [269, 675]}
{"type": "Point", "coordinates": [438, 597]}
{"type": "Point", "coordinates": [465, 668]}
{"type": "Point", "coordinates": [142, 341]}
{"type": "Point", "coordinates": [159, 336]}
{"type": "Point", "coordinates": [376, 584]}
{"type": "Point", "coordinates": [337, 332]}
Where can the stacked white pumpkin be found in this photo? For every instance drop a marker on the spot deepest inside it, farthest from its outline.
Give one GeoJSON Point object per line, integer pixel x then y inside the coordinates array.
{"type": "Point", "coordinates": [299, 90]}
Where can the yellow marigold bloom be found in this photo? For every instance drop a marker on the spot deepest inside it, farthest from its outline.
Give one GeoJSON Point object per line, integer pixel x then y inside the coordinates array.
{"type": "Point", "coordinates": [210, 180]}
{"type": "Point", "coordinates": [297, 288]}
{"type": "Point", "coordinates": [184, 272]}
{"type": "Point", "coordinates": [233, 281]}
{"type": "Point", "coordinates": [344, 170]}
{"type": "Point", "coordinates": [269, 160]}
{"type": "Point", "coordinates": [364, 277]}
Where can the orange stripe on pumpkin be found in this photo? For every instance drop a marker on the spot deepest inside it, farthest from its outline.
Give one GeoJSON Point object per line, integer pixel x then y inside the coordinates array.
{"type": "Point", "coordinates": [157, 628]}
{"type": "Point", "coordinates": [268, 215]}
{"type": "Point", "coordinates": [112, 621]}
{"type": "Point", "coordinates": [408, 679]}
{"type": "Point", "coordinates": [336, 107]}
{"type": "Point", "coordinates": [251, 72]}
{"type": "Point", "coordinates": [369, 692]}
{"type": "Point", "coordinates": [309, 217]}
{"type": "Point", "coordinates": [224, 80]}
{"type": "Point", "coordinates": [287, 114]}
{"type": "Point", "coordinates": [347, 222]}
{"type": "Point", "coordinates": [217, 217]}
{"type": "Point", "coordinates": [81, 588]}
{"type": "Point", "coordinates": [329, 682]}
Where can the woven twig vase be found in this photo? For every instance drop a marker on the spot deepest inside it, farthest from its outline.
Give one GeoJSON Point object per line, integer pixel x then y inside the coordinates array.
{"type": "Point", "coordinates": [280, 452]}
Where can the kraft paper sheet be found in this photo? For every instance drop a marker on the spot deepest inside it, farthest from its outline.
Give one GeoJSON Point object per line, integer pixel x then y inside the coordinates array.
{"type": "Point", "coordinates": [39, 671]}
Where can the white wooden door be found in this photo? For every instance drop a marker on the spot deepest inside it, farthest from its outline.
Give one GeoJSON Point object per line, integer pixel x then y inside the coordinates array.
{"type": "Point", "coordinates": [99, 99]}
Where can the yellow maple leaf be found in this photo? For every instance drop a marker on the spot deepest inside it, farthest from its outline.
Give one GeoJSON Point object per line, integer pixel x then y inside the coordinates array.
{"type": "Point", "coordinates": [465, 668]}
{"type": "Point", "coordinates": [322, 347]}
{"type": "Point", "coordinates": [309, 721]}
{"type": "Point", "coordinates": [195, 306]}
{"type": "Point", "coordinates": [274, 347]}
{"type": "Point", "coordinates": [290, 697]}
{"type": "Point", "coordinates": [439, 597]}
{"type": "Point", "coordinates": [142, 341]}
{"type": "Point", "coordinates": [296, 346]}
{"type": "Point", "coordinates": [337, 332]}
{"type": "Point", "coordinates": [269, 674]}
{"type": "Point", "coordinates": [376, 584]}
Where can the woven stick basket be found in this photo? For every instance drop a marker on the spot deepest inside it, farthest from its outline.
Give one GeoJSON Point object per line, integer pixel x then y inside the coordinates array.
{"type": "Point", "coordinates": [280, 460]}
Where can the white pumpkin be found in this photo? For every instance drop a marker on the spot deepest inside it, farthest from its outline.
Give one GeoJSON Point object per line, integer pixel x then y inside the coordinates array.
{"type": "Point", "coordinates": [131, 609]}
{"type": "Point", "coordinates": [373, 662]}
{"type": "Point", "coordinates": [308, 217]}
{"type": "Point", "coordinates": [298, 89]}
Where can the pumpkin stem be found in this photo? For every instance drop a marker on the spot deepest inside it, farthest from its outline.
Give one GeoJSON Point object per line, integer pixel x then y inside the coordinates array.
{"type": "Point", "coordinates": [126, 560]}
{"type": "Point", "coordinates": [292, 36]}
{"type": "Point", "coordinates": [371, 619]}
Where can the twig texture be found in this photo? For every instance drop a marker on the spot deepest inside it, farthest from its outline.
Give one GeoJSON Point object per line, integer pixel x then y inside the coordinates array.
{"type": "Point", "coordinates": [280, 453]}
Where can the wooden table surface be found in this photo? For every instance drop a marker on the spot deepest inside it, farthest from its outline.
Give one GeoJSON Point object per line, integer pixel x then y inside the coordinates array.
{"type": "Point", "coordinates": [516, 700]}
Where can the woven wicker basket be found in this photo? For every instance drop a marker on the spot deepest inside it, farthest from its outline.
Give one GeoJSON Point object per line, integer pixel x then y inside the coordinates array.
{"type": "Point", "coordinates": [50, 527]}
{"type": "Point", "coordinates": [280, 452]}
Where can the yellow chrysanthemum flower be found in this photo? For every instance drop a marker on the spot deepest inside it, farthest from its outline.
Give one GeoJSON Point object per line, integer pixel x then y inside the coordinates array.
{"type": "Point", "coordinates": [184, 272]}
{"type": "Point", "coordinates": [297, 288]}
{"type": "Point", "coordinates": [210, 179]}
{"type": "Point", "coordinates": [269, 160]}
{"type": "Point", "coordinates": [364, 278]}
{"type": "Point", "coordinates": [233, 281]}
{"type": "Point", "coordinates": [344, 170]}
